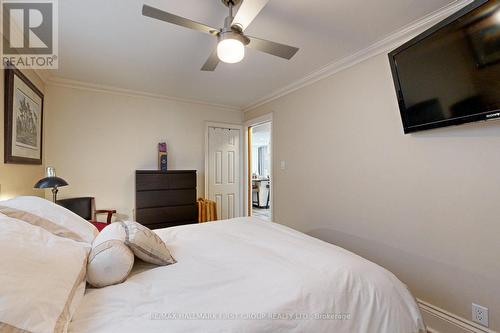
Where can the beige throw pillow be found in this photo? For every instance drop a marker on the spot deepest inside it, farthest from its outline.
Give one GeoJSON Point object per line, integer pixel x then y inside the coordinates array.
{"type": "Point", "coordinates": [146, 244]}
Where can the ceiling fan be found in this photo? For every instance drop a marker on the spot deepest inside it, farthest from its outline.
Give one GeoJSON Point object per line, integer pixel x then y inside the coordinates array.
{"type": "Point", "coordinates": [231, 38]}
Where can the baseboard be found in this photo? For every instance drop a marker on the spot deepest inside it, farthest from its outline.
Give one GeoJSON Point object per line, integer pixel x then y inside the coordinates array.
{"type": "Point", "coordinates": [442, 321]}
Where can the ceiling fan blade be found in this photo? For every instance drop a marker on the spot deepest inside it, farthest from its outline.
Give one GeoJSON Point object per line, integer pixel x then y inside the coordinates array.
{"type": "Point", "coordinates": [276, 49]}
{"type": "Point", "coordinates": [247, 12]}
{"type": "Point", "coordinates": [211, 63]}
{"type": "Point", "coordinates": [174, 19]}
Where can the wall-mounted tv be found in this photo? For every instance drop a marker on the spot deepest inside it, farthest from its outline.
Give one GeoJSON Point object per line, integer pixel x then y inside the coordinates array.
{"type": "Point", "coordinates": [450, 74]}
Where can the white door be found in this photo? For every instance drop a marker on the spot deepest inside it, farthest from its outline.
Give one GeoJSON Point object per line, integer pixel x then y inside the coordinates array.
{"type": "Point", "coordinates": [224, 171]}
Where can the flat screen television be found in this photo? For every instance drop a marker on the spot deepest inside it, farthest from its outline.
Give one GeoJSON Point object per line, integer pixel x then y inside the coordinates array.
{"type": "Point", "coordinates": [450, 74]}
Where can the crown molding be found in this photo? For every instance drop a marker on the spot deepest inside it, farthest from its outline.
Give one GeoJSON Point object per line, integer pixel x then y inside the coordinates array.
{"type": "Point", "coordinates": [385, 45]}
{"type": "Point", "coordinates": [66, 83]}
{"type": "Point", "coordinates": [43, 75]}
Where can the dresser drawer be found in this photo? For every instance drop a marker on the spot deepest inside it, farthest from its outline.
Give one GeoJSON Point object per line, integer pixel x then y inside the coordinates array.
{"type": "Point", "coordinates": [150, 216]}
{"type": "Point", "coordinates": [172, 181]}
{"type": "Point", "coordinates": [166, 198]}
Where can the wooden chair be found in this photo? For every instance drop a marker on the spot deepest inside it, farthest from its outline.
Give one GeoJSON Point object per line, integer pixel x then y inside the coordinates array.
{"type": "Point", "coordinates": [85, 207]}
{"type": "Point", "coordinates": [207, 210]}
{"type": "Point", "coordinates": [256, 191]}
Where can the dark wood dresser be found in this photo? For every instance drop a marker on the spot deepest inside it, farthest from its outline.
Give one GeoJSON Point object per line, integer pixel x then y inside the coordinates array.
{"type": "Point", "coordinates": [165, 199]}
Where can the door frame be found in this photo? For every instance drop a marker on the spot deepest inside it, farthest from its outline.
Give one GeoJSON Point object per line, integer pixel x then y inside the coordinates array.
{"type": "Point", "coordinates": [247, 173]}
{"type": "Point", "coordinates": [209, 124]}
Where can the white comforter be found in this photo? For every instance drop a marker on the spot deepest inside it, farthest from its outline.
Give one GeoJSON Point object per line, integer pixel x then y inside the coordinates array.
{"type": "Point", "coordinates": [245, 275]}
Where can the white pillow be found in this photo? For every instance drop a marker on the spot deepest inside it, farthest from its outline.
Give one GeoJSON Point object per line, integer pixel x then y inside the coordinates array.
{"type": "Point", "coordinates": [42, 279]}
{"type": "Point", "coordinates": [112, 255]}
{"type": "Point", "coordinates": [53, 218]}
{"type": "Point", "coordinates": [110, 260]}
{"type": "Point", "coordinates": [146, 244]}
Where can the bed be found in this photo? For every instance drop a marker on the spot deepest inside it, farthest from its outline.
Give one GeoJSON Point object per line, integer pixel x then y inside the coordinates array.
{"type": "Point", "coordinates": [239, 275]}
{"type": "Point", "coordinates": [246, 275]}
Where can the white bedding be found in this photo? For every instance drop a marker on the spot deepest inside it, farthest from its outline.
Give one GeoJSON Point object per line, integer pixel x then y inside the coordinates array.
{"type": "Point", "coordinates": [42, 278]}
{"type": "Point", "coordinates": [233, 272]}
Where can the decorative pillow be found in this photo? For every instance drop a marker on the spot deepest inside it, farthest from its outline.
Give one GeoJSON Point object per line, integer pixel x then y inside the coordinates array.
{"type": "Point", "coordinates": [146, 244]}
{"type": "Point", "coordinates": [110, 260]}
{"type": "Point", "coordinates": [49, 216]}
{"type": "Point", "coordinates": [42, 280]}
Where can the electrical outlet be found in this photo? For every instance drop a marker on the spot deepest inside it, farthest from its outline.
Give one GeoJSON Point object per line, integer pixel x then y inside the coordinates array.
{"type": "Point", "coordinates": [480, 315]}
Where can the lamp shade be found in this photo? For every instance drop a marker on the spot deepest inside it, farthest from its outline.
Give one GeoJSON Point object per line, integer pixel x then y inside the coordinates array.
{"type": "Point", "coordinates": [50, 182]}
{"type": "Point", "coordinates": [230, 51]}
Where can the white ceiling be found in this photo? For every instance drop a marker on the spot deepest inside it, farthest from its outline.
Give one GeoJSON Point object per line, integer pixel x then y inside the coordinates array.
{"type": "Point", "coordinates": [110, 43]}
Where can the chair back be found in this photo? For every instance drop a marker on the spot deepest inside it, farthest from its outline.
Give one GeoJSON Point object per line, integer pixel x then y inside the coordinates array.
{"type": "Point", "coordinates": [83, 207]}
{"type": "Point", "coordinates": [207, 210]}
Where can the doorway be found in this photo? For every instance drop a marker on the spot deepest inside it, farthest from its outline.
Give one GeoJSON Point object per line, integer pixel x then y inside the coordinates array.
{"type": "Point", "coordinates": [260, 170]}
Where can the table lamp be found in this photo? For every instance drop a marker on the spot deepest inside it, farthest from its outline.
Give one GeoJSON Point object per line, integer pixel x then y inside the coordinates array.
{"type": "Point", "coordinates": [51, 181]}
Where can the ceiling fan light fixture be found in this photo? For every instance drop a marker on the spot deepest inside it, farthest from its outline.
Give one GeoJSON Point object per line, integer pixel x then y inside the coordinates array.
{"type": "Point", "coordinates": [231, 51]}
{"type": "Point", "coordinates": [231, 37]}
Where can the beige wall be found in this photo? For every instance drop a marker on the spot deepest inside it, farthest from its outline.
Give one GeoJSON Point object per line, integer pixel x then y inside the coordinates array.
{"type": "Point", "coordinates": [18, 179]}
{"type": "Point", "coordinates": [426, 206]}
{"type": "Point", "coordinates": [98, 139]}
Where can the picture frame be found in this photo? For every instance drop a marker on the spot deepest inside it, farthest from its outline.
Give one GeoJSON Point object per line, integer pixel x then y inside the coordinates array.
{"type": "Point", "coordinates": [23, 119]}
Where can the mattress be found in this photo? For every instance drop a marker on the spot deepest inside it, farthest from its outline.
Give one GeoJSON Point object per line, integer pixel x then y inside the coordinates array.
{"type": "Point", "coordinates": [246, 275]}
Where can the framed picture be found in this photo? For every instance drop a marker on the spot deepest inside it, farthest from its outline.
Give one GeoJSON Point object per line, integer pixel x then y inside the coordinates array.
{"type": "Point", "coordinates": [23, 120]}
